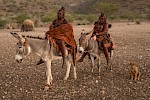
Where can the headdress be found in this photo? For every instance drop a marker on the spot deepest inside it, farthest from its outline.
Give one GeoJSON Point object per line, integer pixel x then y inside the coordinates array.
{"type": "Point", "coordinates": [62, 10]}
{"type": "Point", "coordinates": [102, 17]}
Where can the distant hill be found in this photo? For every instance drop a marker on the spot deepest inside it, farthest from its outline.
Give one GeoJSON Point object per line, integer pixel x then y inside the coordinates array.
{"type": "Point", "coordinates": [45, 10]}
{"type": "Point", "coordinates": [12, 7]}
{"type": "Point", "coordinates": [138, 8]}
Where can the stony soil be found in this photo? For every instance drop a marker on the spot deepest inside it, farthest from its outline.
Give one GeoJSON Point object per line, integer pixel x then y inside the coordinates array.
{"type": "Point", "coordinates": [25, 81]}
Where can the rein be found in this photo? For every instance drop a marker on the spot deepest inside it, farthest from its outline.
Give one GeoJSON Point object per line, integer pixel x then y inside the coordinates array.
{"type": "Point", "coordinates": [90, 31]}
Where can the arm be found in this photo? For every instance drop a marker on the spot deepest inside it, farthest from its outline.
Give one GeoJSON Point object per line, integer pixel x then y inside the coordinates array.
{"type": "Point", "coordinates": [104, 31]}
{"type": "Point", "coordinates": [93, 34]}
{"type": "Point", "coordinates": [95, 29]}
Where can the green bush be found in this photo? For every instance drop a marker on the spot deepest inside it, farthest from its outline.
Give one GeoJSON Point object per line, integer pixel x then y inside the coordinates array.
{"type": "Point", "coordinates": [48, 17]}
{"type": "Point", "coordinates": [69, 17]}
{"type": "Point", "coordinates": [89, 17]}
{"type": "Point", "coordinates": [108, 8]}
{"type": "Point", "coordinates": [138, 22]}
{"type": "Point", "coordinates": [21, 18]}
{"type": "Point", "coordinates": [80, 17]}
{"type": "Point", "coordinates": [112, 17]}
{"type": "Point", "coordinates": [129, 16]}
{"type": "Point", "coordinates": [2, 23]}
{"type": "Point", "coordinates": [148, 16]}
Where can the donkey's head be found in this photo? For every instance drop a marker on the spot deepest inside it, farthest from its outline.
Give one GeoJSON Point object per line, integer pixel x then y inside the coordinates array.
{"type": "Point", "coordinates": [22, 48]}
{"type": "Point", "coordinates": [83, 41]}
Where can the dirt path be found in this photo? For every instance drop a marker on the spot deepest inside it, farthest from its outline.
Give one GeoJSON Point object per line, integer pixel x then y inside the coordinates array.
{"type": "Point", "coordinates": [25, 81]}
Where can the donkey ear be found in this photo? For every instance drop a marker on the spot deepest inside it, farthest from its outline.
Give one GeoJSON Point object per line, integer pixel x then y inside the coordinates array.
{"type": "Point", "coordinates": [16, 36]}
{"type": "Point", "coordinates": [82, 32]}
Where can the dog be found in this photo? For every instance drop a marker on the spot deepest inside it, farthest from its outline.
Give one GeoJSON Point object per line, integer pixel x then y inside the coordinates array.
{"type": "Point", "coordinates": [134, 72]}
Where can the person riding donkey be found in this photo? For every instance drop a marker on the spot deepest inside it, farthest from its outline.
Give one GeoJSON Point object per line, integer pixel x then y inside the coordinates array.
{"type": "Point", "coordinates": [61, 32]}
{"type": "Point", "coordinates": [100, 34]}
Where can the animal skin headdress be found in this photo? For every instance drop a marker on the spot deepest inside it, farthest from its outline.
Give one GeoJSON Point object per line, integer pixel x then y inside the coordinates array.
{"type": "Point", "coordinates": [62, 10]}
{"type": "Point", "coordinates": [102, 17]}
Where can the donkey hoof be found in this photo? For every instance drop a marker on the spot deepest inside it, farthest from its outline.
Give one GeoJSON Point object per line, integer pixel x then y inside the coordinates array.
{"type": "Point", "coordinates": [65, 78]}
{"type": "Point", "coordinates": [46, 87]}
{"type": "Point", "coordinates": [110, 69]}
{"type": "Point", "coordinates": [75, 78]}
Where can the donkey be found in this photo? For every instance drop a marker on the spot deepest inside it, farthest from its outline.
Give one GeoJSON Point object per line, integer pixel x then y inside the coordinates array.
{"type": "Point", "coordinates": [90, 45]}
{"type": "Point", "coordinates": [46, 50]}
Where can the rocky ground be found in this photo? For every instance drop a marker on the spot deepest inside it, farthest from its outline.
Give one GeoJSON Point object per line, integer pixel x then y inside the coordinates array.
{"type": "Point", "coordinates": [25, 81]}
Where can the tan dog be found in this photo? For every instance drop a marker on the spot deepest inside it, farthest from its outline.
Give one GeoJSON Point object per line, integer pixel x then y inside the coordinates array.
{"type": "Point", "coordinates": [135, 74]}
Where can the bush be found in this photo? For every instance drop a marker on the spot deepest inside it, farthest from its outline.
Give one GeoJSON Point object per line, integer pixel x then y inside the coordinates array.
{"type": "Point", "coordinates": [108, 8]}
{"type": "Point", "coordinates": [48, 18]}
{"type": "Point", "coordinates": [83, 22]}
{"type": "Point", "coordinates": [148, 16]}
{"type": "Point", "coordinates": [2, 23]}
{"type": "Point", "coordinates": [69, 17]}
{"type": "Point", "coordinates": [113, 17]}
{"type": "Point", "coordinates": [89, 17]}
{"type": "Point", "coordinates": [21, 18]}
{"type": "Point", "coordinates": [138, 22]}
{"type": "Point", "coordinates": [129, 16]}
{"type": "Point", "coordinates": [80, 17]}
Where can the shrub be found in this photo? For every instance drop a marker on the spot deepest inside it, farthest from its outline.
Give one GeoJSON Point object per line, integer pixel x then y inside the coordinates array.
{"type": "Point", "coordinates": [2, 23]}
{"type": "Point", "coordinates": [138, 22]}
{"type": "Point", "coordinates": [80, 17]}
{"type": "Point", "coordinates": [21, 18]}
{"type": "Point", "coordinates": [91, 18]}
{"type": "Point", "coordinates": [108, 8]}
{"type": "Point", "coordinates": [148, 16]}
{"type": "Point", "coordinates": [48, 18]}
{"type": "Point", "coordinates": [113, 17]}
{"type": "Point", "coordinates": [69, 17]}
{"type": "Point", "coordinates": [129, 16]}
{"type": "Point", "coordinates": [83, 22]}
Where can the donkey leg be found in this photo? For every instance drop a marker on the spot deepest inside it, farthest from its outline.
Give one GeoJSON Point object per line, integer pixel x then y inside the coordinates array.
{"type": "Point", "coordinates": [98, 65]}
{"type": "Point", "coordinates": [111, 54]}
{"type": "Point", "coordinates": [74, 72]}
{"type": "Point", "coordinates": [92, 63]}
{"type": "Point", "coordinates": [68, 64]}
{"type": "Point", "coordinates": [106, 53]}
{"type": "Point", "coordinates": [49, 75]}
{"type": "Point", "coordinates": [111, 59]}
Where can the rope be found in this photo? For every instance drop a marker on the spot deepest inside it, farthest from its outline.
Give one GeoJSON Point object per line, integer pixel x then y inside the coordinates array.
{"type": "Point", "coordinates": [90, 32]}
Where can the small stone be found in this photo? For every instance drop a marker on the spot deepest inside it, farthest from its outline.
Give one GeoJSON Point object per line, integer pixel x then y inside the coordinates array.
{"type": "Point", "coordinates": [96, 81]}
{"type": "Point", "coordinates": [3, 97]}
